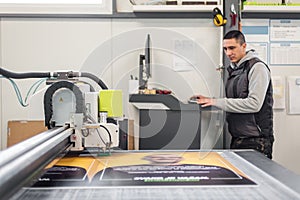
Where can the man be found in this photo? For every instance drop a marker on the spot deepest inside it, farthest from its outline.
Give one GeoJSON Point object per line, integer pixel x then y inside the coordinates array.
{"type": "Point", "coordinates": [249, 101]}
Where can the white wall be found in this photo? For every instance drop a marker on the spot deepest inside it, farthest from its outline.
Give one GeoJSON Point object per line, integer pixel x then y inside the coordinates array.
{"type": "Point", "coordinates": [109, 49]}
{"type": "Point", "coordinates": [43, 45]}
{"type": "Point", "coordinates": [286, 128]}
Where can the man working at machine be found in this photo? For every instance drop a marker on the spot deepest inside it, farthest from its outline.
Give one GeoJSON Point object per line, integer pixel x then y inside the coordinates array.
{"type": "Point", "coordinates": [249, 101]}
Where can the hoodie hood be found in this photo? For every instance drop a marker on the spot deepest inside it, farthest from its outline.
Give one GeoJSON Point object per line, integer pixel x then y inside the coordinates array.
{"type": "Point", "coordinates": [249, 55]}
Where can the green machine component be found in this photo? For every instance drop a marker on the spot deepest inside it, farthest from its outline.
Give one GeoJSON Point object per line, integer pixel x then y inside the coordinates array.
{"type": "Point", "coordinates": [111, 101]}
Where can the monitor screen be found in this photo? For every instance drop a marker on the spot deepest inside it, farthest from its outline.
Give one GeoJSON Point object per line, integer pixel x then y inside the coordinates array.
{"type": "Point", "coordinates": [145, 65]}
{"type": "Point", "coordinates": [148, 56]}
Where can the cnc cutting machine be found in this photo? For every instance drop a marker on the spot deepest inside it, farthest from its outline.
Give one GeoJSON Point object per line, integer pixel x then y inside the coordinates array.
{"type": "Point", "coordinates": [73, 102]}
{"type": "Point", "coordinates": [78, 118]}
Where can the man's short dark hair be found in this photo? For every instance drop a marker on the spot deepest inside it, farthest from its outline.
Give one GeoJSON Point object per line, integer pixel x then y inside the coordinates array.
{"type": "Point", "coordinates": [238, 35]}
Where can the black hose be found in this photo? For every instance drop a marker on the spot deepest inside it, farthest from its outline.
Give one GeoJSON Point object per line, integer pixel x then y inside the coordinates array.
{"type": "Point", "coordinates": [109, 135]}
{"type": "Point", "coordinates": [14, 75]}
{"type": "Point", "coordinates": [9, 74]}
{"type": "Point", "coordinates": [95, 78]}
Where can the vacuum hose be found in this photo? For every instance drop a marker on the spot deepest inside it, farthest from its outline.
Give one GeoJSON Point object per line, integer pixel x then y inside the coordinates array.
{"type": "Point", "coordinates": [94, 78]}
{"type": "Point", "coordinates": [9, 74]}
{"type": "Point", "coordinates": [60, 75]}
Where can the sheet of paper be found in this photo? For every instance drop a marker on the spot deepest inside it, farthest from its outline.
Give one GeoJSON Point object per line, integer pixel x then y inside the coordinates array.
{"type": "Point", "coordinates": [284, 30]}
{"type": "Point", "coordinates": [284, 53]}
{"type": "Point", "coordinates": [294, 94]}
{"type": "Point", "coordinates": [261, 49]}
{"type": "Point", "coordinates": [184, 55]}
{"type": "Point", "coordinates": [278, 92]}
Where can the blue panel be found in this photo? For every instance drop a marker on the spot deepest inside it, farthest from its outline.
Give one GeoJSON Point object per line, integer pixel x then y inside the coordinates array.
{"type": "Point", "coordinates": [255, 30]}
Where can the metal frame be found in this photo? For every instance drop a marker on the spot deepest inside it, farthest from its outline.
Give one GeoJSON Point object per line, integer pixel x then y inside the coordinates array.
{"type": "Point", "coordinates": [25, 161]}
{"type": "Point", "coordinates": [272, 168]}
{"type": "Point", "coordinates": [268, 174]}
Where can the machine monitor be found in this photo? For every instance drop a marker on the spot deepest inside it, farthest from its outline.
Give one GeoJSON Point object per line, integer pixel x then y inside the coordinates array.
{"type": "Point", "coordinates": [145, 65]}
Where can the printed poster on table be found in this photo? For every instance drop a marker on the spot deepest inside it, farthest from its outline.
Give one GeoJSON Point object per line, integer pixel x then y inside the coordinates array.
{"type": "Point", "coordinates": [144, 169]}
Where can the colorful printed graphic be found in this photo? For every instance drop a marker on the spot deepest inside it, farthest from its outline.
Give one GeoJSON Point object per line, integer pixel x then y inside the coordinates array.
{"type": "Point", "coordinates": [144, 169]}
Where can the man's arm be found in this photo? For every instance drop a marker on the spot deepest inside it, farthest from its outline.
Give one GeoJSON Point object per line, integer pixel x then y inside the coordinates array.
{"type": "Point", "coordinates": [259, 78]}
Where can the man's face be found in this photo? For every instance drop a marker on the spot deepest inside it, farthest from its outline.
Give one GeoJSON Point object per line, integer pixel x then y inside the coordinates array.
{"type": "Point", "coordinates": [234, 50]}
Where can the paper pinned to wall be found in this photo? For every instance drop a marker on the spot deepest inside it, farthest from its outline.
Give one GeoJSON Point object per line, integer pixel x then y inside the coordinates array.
{"type": "Point", "coordinates": [278, 92]}
{"type": "Point", "coordinates": [294, 94]}
{"type": "Point", "coordinates": [261, 50]}
{"type": "Point", "coordinates": [184, 57]}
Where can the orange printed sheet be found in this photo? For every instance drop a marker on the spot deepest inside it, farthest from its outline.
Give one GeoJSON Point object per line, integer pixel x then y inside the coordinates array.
{"type": "Point", "coordinates": [144, 169]}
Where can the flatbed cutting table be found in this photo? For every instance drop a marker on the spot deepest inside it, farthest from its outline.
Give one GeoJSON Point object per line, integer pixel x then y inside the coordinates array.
{"type": "Point", "coordinates": [223, 174]}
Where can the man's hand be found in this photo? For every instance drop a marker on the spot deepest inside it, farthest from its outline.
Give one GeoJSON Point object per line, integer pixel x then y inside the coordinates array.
{"type": "Point", "coordinates": [204, 101]}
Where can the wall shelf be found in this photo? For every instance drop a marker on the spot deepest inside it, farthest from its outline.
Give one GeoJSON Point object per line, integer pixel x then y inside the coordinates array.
{"type": "Point", "coordinates": [174, 8]}
{"type": "Point", "coordinates": [271, 12]}
{"type": "Point", "coordinates": [268, 9]}
{"type": "Point", "coordinates": [139, 11]}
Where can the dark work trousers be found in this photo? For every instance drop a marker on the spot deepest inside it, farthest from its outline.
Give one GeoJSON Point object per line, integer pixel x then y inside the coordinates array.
{"type": "Point", "coordinates": [260, 144]}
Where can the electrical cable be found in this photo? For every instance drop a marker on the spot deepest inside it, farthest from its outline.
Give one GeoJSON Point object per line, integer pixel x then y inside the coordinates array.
{"type": "Point", "coordinates": [18, 93]}
{"type": "Point", "coordinates": [107, 132]}
{"type": "Point", "coordinates": [85, 134]}
{"type": "Point", "coordinates": [91, 87]}
{"type": "Point", "coordinates": [97, 129]}
{"type": "Point", "coordinates": [94, 78]}
{"type": "Point", "coordinates": [132, 2]}
{"type": "Point", "coordinates": [37, 85]}
{"type": "Point", "coordinates": [100, 136]}
{"type": "Point", "coordinates": [34, 87]}
{"type": "Point", "coordinates": [94, 121]}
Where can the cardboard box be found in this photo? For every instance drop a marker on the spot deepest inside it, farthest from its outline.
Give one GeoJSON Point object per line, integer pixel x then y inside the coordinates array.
{"type": "Point", "coordinates": [130, 134]}
{"type": "Point", "coordinates": [22, 130]}
{"type": "Point", "coordinates": [126, 138]}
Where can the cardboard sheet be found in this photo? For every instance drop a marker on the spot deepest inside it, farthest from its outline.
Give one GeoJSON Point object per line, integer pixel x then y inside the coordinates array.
{"type": "Point", "coordinates": [20, 130]}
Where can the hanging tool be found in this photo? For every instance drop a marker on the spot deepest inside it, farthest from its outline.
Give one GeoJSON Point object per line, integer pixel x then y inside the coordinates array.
{"type": "Point", "coordinates": [233, 15]}
{"type": "Point", "coordinates": [219, 19]}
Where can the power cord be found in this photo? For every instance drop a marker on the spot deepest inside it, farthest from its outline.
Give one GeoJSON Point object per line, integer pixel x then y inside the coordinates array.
{"type": "Point", "coordinates": [30, 92]}
{"type": "Point", "coordinates": [97, 129]}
